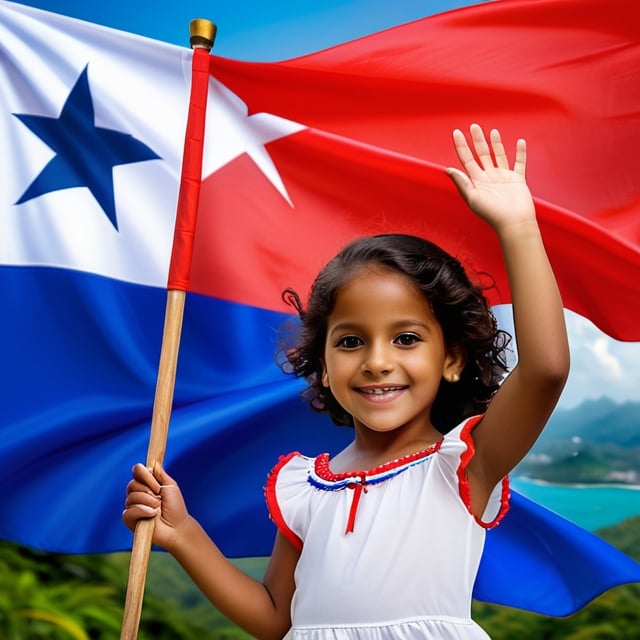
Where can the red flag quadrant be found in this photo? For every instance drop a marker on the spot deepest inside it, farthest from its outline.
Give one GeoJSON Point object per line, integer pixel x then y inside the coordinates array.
{"type": "Point", "coordinates": [342, 189]}
{"type": "Point", "coordinates": [380, 111]}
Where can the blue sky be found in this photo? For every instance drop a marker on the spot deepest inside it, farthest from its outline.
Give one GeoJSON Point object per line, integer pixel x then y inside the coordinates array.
{"type": "Point", "coordinates": [279, 29]}
{"type": "Point", "coordinates": [254, 29]}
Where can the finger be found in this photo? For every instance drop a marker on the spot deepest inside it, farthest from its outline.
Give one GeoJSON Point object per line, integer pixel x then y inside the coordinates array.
{"type": "Point", "coordinates": [132, 514]}
{"type": "Point", "coordinates": [498, 149]}
{"type": "Point", "coordinates": [139, 487]}
{"type": "Point", "coordinates": [461, 181]}
{"type": "Point", "coordinates": [465, 155]}
{"type": "Point", "coordinates": [520, 164]}
{"type": "Point", "coordinates": [142, 499]}
{"type": "Point", "coordinates": [481, 146]}
{"type": "Point", "coordinates": [162, 476]}
{"type": "Point", "coordinates": [142, 475]}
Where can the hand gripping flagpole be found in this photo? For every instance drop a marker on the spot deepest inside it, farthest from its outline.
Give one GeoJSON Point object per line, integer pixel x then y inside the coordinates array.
{"type": "Point", "coordinates": [202, 34]}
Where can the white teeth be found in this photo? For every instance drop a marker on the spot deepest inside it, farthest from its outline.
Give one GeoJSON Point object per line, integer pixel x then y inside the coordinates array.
{"type": "Point", "coordinates": [379, 392]}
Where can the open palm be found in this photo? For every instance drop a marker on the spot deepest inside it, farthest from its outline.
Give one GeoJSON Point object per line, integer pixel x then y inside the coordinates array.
{"type": "Point", "coordinates": [492, 190]}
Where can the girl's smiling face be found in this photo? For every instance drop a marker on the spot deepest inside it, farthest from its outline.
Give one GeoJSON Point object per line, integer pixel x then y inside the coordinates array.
{"type": "Point", "coordinates": [385, 353]}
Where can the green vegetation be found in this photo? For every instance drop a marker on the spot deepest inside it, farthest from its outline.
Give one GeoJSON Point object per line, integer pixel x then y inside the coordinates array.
{"type": "Point", "coordinates": [62, 597]}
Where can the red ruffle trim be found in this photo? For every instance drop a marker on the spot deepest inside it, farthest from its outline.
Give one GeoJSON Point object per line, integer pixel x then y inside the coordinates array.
{"type": "Point", "coordinates": [272, 502]}
{"type": "Point", "coordinates": [463, 481]}
{"type": "Point", "coordinates": [322, 469]}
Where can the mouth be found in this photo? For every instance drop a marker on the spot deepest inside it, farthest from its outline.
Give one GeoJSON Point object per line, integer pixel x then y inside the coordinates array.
{"type": "Point", "coordinates": [379, 391]}
{"type": "Point", "coordinates": [382, 393]}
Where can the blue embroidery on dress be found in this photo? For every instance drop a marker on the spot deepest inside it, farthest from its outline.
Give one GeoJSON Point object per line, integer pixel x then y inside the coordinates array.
{"type": "Point", "coordinates": [360, 478]}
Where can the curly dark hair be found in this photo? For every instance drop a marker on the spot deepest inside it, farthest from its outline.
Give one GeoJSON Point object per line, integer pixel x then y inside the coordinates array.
{"type": "Point", "coordinates": [460, 307]}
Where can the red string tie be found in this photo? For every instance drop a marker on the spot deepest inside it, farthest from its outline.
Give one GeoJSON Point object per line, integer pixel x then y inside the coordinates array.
{"type": "Point", "coordinates": [358, 488]}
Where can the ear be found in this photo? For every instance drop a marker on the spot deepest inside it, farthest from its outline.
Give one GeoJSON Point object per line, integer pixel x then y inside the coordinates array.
{"type": "Point", "coordinates": [454, 363]}
{"type": "Point", "coordinates": [325, 376]}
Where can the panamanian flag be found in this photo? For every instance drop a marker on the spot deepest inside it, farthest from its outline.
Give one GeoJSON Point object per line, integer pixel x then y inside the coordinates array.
{"type": "Point", "coordinates": [300, 157]}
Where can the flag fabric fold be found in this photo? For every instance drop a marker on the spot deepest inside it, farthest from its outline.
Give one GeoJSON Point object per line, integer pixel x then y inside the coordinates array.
{"type": "Point", "coordinates": [300, 157]}
{"type": "Point", "coordinates": [547, 564]}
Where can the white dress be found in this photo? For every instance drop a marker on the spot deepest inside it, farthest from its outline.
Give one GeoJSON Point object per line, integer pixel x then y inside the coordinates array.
{"type": "Point", "coordinates": [387, 553]}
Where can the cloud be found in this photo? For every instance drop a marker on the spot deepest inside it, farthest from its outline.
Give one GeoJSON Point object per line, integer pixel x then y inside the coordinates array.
{"type": "Point", "coordinates": [600, 366]}
{"type": "Point", "coordinates": [600, 350]}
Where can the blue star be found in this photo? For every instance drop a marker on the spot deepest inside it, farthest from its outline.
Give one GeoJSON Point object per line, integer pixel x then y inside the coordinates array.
{"type": "Point", "coordinates": [85, 154]}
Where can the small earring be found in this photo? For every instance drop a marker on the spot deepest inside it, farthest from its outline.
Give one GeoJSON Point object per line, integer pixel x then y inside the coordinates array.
{"type": "Point", "coordinates": [452, 377]}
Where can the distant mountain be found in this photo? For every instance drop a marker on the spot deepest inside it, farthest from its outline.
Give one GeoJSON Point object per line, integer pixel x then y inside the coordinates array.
{"type": "Point", "coordinates": [601, 420]}
{"type": "Point", "coordinates": [597, 442]}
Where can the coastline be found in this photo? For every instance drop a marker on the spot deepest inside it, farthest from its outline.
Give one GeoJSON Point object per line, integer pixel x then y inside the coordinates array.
{"type": "Point", "coordinates": [590, 506]}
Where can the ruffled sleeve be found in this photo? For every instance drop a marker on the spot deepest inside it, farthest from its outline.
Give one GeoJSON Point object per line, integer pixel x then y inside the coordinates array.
{"type": "Point", "coordinates": [456, 452]}
{"type": "Point", "coordinates": [286, 495]}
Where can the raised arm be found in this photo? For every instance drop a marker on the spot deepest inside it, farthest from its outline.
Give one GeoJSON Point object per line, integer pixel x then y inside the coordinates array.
{"type": "Point", "coordinates": [521, 407]}
{"type": "Point", "coordinates": [260, 608]}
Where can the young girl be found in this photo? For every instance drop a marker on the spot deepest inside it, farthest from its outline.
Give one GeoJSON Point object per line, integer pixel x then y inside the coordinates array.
{"type": "Point", "coordinates": [384, 539]}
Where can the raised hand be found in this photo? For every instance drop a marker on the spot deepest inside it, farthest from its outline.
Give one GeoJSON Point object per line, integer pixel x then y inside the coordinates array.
{"type": "Point", "coordinates": [496, 193]}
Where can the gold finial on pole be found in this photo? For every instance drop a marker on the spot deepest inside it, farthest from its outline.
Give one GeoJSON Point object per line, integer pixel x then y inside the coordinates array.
{"type": "Point", "coordinates": [203, 33]}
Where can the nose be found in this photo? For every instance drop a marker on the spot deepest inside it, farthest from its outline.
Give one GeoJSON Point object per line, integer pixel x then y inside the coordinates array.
{"type": "Point", "coordinates": [377, 360]}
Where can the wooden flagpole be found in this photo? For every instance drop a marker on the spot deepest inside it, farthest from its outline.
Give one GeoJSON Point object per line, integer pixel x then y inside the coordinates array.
{"type": "Point", "coordinates": [202, 35]}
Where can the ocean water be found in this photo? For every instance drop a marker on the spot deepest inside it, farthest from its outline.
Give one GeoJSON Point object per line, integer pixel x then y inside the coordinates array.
{"type": "Point", "coordinates": [590, 506]}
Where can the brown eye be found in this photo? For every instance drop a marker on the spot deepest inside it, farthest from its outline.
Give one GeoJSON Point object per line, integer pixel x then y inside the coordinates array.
{"type": "Point", "coordinates": [407, 339]}
{"type": "Point", "coordinates": [349, 342]}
